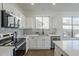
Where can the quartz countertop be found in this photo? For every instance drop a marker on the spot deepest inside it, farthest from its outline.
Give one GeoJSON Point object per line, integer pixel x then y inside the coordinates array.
{"type": "Point", "coordinates": [53, 35]}
{"type": "Point", "coordinates": [71, 47]}
{"type": "Point", "coordinates": [27, 36]}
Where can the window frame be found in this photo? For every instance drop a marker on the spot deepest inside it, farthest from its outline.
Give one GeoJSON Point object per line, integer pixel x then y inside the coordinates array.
{"type": "Point", "coordinates": [42, 22]}
{"type": "Point", "coordinates": [72, 25]}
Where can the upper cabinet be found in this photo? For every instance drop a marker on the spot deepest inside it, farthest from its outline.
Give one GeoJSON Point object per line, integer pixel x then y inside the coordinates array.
{"type": "Point", "coordinates": [30, 22]}
{"type": "Point", "coordinates": [9, 20]}
{"type": "Point", "coordinates": [12, 16]}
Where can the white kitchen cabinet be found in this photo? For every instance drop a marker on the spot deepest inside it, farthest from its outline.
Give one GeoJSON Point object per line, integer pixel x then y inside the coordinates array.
{"type": "Point", "coordinates": [30, 23]}
{"type": "Point", "coordinates": [47, 43]}
{"type": "Point", "coordinates": [17, 12]}
{"type": "Point", "coordinates": [39, 42]}
{"type": "Point", "coordinates": [32, 43]}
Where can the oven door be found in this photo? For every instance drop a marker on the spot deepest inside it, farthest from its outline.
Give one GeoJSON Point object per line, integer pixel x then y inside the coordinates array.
{"type": "Point", "coordinates": [20, 48]}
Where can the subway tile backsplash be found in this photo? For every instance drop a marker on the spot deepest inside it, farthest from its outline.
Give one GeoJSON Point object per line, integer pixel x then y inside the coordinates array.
{"type": "Point", "coordinates": [27, 31]}
{"type": "Point", "coordinates": [39, 31]}
{"type": "Point", "coordinates": [11, 30]}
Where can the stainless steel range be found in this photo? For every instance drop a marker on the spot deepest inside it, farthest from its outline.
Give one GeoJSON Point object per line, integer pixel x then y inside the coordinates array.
{"type": "Point", "coordinates": [6, 39]}
{"type": "Point", "coordinates": [12, 40]}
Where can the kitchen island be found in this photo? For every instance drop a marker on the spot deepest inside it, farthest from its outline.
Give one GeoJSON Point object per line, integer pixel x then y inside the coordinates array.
{"type": "Point", "coordinates": [66, 48]}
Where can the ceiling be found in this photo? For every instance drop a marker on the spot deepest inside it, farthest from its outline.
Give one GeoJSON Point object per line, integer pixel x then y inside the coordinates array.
{"type": "Point", "coordinates": [49, 7]}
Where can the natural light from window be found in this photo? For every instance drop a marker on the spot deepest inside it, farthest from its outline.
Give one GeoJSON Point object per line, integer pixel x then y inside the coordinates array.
{"type": "Point", "coordinates": [71, 26]}
{"type": "Point", "coordinates": [42, 22]}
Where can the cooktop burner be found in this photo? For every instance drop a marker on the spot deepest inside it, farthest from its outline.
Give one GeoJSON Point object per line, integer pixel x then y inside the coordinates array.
{"type": "Point", "coordinates": [10, 44]}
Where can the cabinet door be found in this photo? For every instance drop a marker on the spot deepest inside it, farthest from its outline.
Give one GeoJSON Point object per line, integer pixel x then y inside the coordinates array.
{"type": "Point", "coordinates": [33, 43]}
{"type": "Point", "coordinates": [40, 43]}
{"type": "Point", "coordinates": [43, 42]}
{"type": "Point", "coordinates": [21, 23]}
{"type": "Point", "coordinates": [47, 43]}
{"type": "Point", "coordinates": [28, 22]}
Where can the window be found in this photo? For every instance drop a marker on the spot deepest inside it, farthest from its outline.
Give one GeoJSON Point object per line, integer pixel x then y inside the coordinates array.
{"type": "Point", "coordinates": [76, 26]}
{"type": "Point", "coordinates": [71, 26]}
{"type": "Point", "coordinates": [42, 22]}
{"type": "Point", "coordinates": [39, 22]}
{"type": "Point", "coordinates": [67, 26]}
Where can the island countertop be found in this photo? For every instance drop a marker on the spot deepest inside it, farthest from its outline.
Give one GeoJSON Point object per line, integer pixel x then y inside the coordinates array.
{"type": "Point", "coordinates": [71, 47]}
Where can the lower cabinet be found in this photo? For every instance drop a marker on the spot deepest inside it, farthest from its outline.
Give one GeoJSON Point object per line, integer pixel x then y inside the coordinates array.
{"type": "Point", "coordinates": [59, 52]}
{"type": "Point", "coordinates": [47, 43]}
{"type": "Point", "coordinates": [39, 42]}
{"type": "Point", "coordinates": [32, 43]}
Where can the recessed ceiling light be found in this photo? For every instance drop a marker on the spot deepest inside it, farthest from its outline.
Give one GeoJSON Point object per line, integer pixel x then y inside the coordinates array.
{"type": "Point", "coordinates": [53, 3]}
{"type": "Point", "coordinates": [32, 3]}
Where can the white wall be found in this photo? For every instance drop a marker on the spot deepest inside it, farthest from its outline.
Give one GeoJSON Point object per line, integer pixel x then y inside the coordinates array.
{"type": "Point", "coordinates": [55, 21]}
{"type": "Point", "coordinates": [55, 18]}
{"type": "Point", "coordinates": [28, 19]}
{"type": "Point", "coordinates": [58, 18]}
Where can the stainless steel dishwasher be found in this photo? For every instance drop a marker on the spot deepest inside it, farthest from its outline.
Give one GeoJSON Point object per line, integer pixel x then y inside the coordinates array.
{"type": "Point", "coordinates": [54, 38]}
